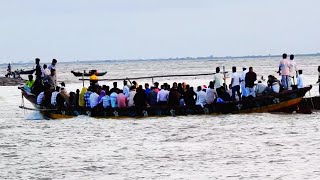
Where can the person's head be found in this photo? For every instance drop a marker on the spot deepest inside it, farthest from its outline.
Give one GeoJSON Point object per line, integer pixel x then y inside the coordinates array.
{"type": "Point", "coordinates": [250, 69]}
{"type": "Point", "coordinates": [146, 86]}
{"type": "Point", "coordinates": [187, 86]}
{"type": "Point", "coordinates": [53, 72]}
{"type": "Point", "coordinates": [140, 87]}
{"type": "Point", "coordinates": [90, 88]}
{"type": "Point", "coordinates": [115, 84]}
{"type": "Point", "coordinates": [152, 88]}
{"type": "Point", "coordinates": [63, 84]}
{"type": "Point", "coordinates": [217, 69]}
{"type": "Point", "coordinates": [37, 60]}
{"type": "Point", "coordinates": [184, 86]}
{"type": "Point", "coordinates": [300, 71]}
{"type": "Point", "coordinates": [162, 86]}
{"type": "Point", "coordinates": [284, 56]}
{"type": "Point", "coordinates": [291, 57]}
{"type": "Point", "coordinates": [54, 62]}
{"type": "Point", "coordinates": [174, 85]}
{"type": "Point", "coordinates": [57, 88]}
{"type": "Point", "coordinates": [244, 68]}
{"type": "Point", "coordinates": [134, 83]}
{"type": "Point", "coordinates": [125, 82]}
{"type": "Point", "coordinates": [211, 85]}
{"type": "Point", "coordinates": [156, 84]}
{"type": "Point", "coordinates": [30, 77]}
{"type": "Point", "coordinates": [234, 69]}
{"type": "Point", "coordinates": [77, 91]}
{"type": "Point", "coordinates": [45, 66]}
{"type": "Point", "coordinates": [199, 88]}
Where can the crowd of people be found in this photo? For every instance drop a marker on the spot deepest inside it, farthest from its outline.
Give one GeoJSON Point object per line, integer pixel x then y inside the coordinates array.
{"type": "Point", "coordinates": [95, 98]}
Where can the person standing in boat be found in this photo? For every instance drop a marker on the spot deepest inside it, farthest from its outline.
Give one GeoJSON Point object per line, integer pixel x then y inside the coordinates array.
{"type": "Point", "coordinates": [38, 69]}
{"type": "Point", "coordinates": [235, 83]}
{"type": "Point", "coordinates": [300, 80]}
{"type": "Point", "coordinates": [162, 96]}
{"type": "Point", "coordinates": [293, 70]}
{"type": "Point", "coordinates": [218, 81]}
{"type": "Point", "coordinates": [242, 81]}
{"type": "Point", "coordinates": [53, 64]}
{"type": "Point", "coordinates": [126, 89]}
{"type": "Point", "coordinates": [284, 70]}
{"type": "Point", "coordinates": [251, 77]}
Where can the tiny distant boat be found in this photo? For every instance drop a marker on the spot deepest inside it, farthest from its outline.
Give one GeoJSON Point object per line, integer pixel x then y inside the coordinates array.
{"type": "Point", "coordinates": [21, 71]}
{"type": "Point", "coordinates": [91, 72]}
{"type": "Point", "coordinates": [286, 101]}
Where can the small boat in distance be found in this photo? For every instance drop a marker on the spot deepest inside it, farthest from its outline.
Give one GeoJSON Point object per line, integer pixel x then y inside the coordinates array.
{"type": "Point", "coordinates": [91, 72]}
{"type": "Point", "coordinates": [21, 71]}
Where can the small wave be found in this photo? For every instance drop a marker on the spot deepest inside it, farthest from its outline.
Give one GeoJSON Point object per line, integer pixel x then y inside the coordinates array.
{"type": "Point", "coordinates": [36, 115]}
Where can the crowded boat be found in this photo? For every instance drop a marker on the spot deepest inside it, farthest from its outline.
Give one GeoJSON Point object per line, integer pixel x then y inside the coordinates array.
{"type": "Point", "coordinates": [244, 94]}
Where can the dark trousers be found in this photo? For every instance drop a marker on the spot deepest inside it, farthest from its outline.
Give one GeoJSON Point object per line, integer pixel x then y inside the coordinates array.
{"type": "Point", "coordinates": [236, 89]}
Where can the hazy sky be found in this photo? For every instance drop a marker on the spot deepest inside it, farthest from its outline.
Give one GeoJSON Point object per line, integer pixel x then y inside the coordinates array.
{"type": "Point", "coordinates": [130, 29]}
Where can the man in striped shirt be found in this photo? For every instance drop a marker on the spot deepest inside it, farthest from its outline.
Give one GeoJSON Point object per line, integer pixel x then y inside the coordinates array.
{"type": "Point", "coordinates": [87, 97]}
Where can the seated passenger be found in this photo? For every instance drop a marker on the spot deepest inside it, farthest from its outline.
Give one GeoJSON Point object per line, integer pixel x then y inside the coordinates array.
{"type": "Point", "coordinates": [261, 88]}
{"type": "Point", "coordinates": [190, 96]}
{"type": "Point", "coordinates": [54, 96]}
{"type": "Point", "coordinates": [225, 96]}
{"type": "Point", "coordinates": [300, 80]}
{"type": "Point", "coordinates": [113, 99]}
{"type": "Point", "coordinates": [152, 97]}
{"type": "Point", "coordinates": [121, 100]}
{"type": "Point", "coordinates": [93, 99]}
{"type": "Point", "coordinates": [105, 100]}
{"type": "Point", "coordinates": [274, 84]}
{"type": "Point", "coordinates": [29, 83]}
{"type": "Point", "coordinates": [162, 96]}
{"type": "Point", "coordinates": [87, 97]}
{"type": "Point", "coordinates": [40, 98]}
{"type": "Point", "coordinates": [131, 95]}
{"type": "Point", "coordinates": [82, 102]}
{"type": "Point", "coordinates": [174, 96]}
{"type": "Point", "coordinates": [211, 93]}
{"type": "Point", "coordinates": [201, 97]}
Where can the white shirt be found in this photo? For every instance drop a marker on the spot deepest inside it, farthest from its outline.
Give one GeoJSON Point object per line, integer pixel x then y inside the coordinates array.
{"type": "Point", "coordinates": [260, 87]}
{"type": "Point", "coordinates": [126, 90]}
{"type": "Point", "coordinates": [162, 95]}
{"type": "Point", "coordinates": [275, 87]}
{"type": "Point", "coordinates": [243, 77]}
{"type": "Point", "coordinates": [46, 72]}
{"type": "Point", "coordinates": [300, 81]}
{"type": "Point", "coordinates": [201, 98]}
{"type": "Point", "coordinates": [93, 99]}
{"type": "Point", "coordinates": [130, 98]}
{"type": "Point", "coordinates": [236, 79]}
{"type": "Point", "coordinates": [293, 67]}
{"type": "Point", "coordinates": [54, 98]}
{"type": "Point", "coordinates": [218, 80]}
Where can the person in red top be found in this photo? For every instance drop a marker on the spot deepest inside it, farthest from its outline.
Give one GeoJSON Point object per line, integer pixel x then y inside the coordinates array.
{"type": "Point", "coordinates": [121, 100]}
{"type": "Point", "coordinates": [251, 77]}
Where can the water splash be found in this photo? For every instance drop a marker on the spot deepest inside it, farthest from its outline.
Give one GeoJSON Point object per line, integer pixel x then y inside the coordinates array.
{"type": "Point", "coordinates": [36, 115]}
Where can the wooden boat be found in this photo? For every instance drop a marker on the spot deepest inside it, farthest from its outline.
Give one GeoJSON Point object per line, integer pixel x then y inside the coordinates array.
{"type": "Point", "coordinates": [286, 101]}
{"type": "Point", "coordinates": [91, 72]}
{"type": "Point", "coordinates": [19, 72]}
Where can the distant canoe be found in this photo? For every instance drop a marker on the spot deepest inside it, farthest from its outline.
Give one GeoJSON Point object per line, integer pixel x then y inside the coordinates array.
{"type": "Point", "coordinates": [79, 74]}
{"type": "Point", "coordinates": [25, 72]}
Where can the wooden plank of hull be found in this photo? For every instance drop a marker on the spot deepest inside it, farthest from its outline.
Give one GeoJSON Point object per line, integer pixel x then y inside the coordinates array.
{"type": "Point", "coordinates": [273, 107]}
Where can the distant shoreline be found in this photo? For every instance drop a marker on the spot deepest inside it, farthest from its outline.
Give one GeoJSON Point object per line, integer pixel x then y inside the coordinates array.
{"type": "Point", "coordinates": [177, 58]}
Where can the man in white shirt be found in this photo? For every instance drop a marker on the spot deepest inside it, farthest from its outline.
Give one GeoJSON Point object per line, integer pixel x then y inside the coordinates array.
{"type": "Point", "coordinates": [293, 69]}
{"type": "Point", "coordinates": [235, 83]}
{"type": "Point", "coordinates": [126, 89]}
{"type": "Point", "coordinates": [54, 96]}
{"type": "Point", "coordinates": [201, 97]}
{"type": "Point", "coordinates": [93, 99]}
{"type": "Point", "coordinates": [300, 80]}
{"type": "Point", "coordinates": [218, 81]}
{"type": "Point", "coordinates": [260, 88]}
{"type": "Point", "coordinates": [162, 96]}
{"type": "Point", "coordinates": [243, 81]}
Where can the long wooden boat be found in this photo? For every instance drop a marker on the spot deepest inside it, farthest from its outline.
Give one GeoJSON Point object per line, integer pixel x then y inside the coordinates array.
{"type": "Point", "coordinates": [79, 74]}
{"type": "Point", "coordinates": [286, 101]}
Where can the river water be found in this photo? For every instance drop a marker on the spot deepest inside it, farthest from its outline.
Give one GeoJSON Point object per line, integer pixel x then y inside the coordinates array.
{"type": "Point", "coordinates": [253, 146]}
